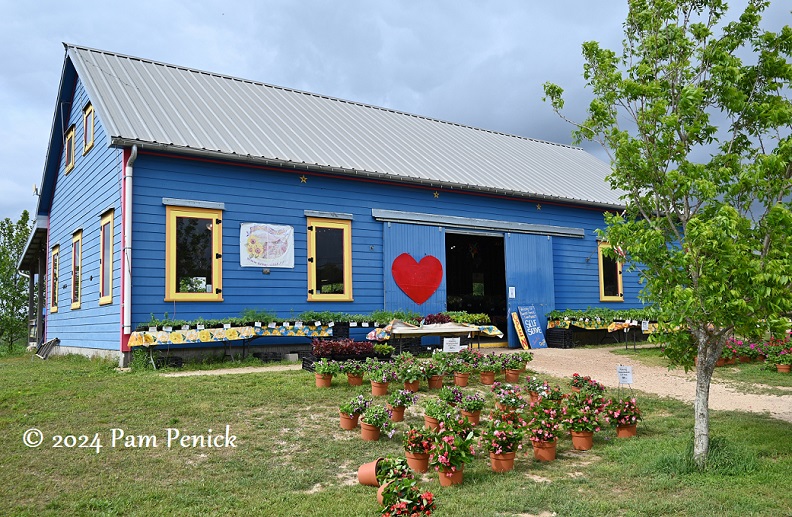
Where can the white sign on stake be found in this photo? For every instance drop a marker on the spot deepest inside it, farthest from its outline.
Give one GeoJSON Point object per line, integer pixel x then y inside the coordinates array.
{"type": "Point", "coordinates": [625, 374]}
{"type": "Point", "coordinates": [451, 344]}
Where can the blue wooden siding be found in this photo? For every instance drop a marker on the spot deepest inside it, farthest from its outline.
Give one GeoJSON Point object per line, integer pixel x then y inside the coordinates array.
{"type": "Point", "coordinates": [529, 269]}
{"type": "Point", "coordinates": [79, 200]}
{"type": "Point", "coordinates": [254, 194]}
{"type": "Point", "coordinates": [418, 241]}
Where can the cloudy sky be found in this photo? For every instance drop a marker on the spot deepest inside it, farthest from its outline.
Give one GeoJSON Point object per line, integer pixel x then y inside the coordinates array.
{"type": "Point", "coordinates": [466, 61]}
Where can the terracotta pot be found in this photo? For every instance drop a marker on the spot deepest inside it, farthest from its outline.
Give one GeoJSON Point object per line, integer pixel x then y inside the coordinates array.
{"type": "Point", "coordinates": [582, 440]}
{"type": "Point", "coordinates": [731, 360]}
{"type": "Point", "coordinates": [368, 432]}
{"type": "Point", "coordinates": [323, 380]}
{"type": "Point", "coordinates": [472, 416]}
{"type": "Point", "coordinates": [451, 478]}
{"type": "Point", "coordinates": [513, 375]}
{"type": "Point", "coordinates": [431, 423]}
{"type": "Point", "coordinates": [349, 422]}
{"type": "Point", "coordinates": [504, 407]}
{"type": "Point", "coordinates": [412, 386]}
{"type": "Point", "coordinates": [534, 396]}
{"type": "Point", "coordinates": [461, 379]}
{"type": "Point", "coordinates": [502, 462]}
{"type": "Point", "coordinates": [544, 451]}
{"type": "Point", "coordinates": [367, 473]}
{"type": "Point", "coordinates": [380, 490]}
{"type": "Point", "coordinates": [354, 380]}
{"type": "Point", "coordinates": [487, 378]}
{"type": "Point", "coordinates": [418, 461]}
{"type": "Point", "coordinates": [720, 362]}
{"type": "Point", "coordinates": [397, 413]}
{"type": "Point", "coordinates": [575, 389]}
{"type": "Point", "coordinates": [626, 431]}
{"type": "Point", "coordinates": [745, 359]}
{"type": "Point", "coordinates": [379, 389]}
{"type": "Point", "coordinates": [435, 382]}
{"type": "Point", "coordinates": [783, 368]}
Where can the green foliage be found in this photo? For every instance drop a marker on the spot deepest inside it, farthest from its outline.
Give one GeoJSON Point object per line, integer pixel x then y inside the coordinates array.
{"type": "Point", "coordinates": [699, 141]}
{"type": "Point", "coordinates": [13, 286]}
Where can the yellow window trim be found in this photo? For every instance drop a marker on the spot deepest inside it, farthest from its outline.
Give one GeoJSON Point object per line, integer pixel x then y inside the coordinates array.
{"type": "Point", "coordinates": [69, 150]}
{"type": "Point", "coordinates": [173, 212]}
{"type": "Point", "coordinates": [346, 226]}
{"type": "Point", "coordinates": [77, 237]}
{"type": "Point", "coordinates": [107, 222]}
{"type": "Point", "coordinates": [88, 128]}
{"type": "Point", "coordinates": [601, 246]}
{"type": "Point", "coordinates": [54, 285]}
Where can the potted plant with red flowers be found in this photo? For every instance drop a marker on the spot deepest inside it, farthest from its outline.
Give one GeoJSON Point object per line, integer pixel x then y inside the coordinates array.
{"type": "Point", "coordinates": [624, 415]}
{"type": "Point", "coordinates": [402, 498]}
{"type": "Point", "coordinates": [581, 418]}
{"type": "Point", "coordinates": [417, 443]}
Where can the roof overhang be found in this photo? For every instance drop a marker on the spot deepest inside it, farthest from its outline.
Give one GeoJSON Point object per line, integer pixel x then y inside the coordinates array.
{"type": "Point", "coordinates": [374, 175]}
{"type": "Point", "coordinates": [36, 242]}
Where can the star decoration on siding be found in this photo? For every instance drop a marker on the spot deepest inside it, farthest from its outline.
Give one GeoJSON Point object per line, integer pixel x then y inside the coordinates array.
{"type": "Point", "coordinates": [538, 206]}
{"type": "Point", "coordinates": [436, 194]}
{"type": "Point", "coordinates": [303, 179]}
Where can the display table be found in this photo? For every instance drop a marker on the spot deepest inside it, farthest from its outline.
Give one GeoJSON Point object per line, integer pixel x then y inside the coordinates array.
{"type": "Point", "coordinates": [400, 331]}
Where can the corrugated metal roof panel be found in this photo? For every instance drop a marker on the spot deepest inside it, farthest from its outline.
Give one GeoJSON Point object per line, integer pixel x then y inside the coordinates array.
{"type": "Point", "coordinates": [146, 101]}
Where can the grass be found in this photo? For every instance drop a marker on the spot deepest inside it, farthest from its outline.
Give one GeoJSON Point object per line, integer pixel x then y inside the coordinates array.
{"type": "Point", "coordinates": [755, 378]}
{"type": "Point", "coordinates": [293, 459]}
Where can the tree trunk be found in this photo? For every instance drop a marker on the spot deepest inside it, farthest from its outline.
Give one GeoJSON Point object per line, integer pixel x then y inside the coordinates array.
{"type": "Point", "coordinates": [708, 354]}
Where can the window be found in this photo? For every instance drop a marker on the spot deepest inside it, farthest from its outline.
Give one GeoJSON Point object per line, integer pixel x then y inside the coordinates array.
{"type": "Point", "coordinates": [329, 260]}
{"type": "Point", "coordinates": [69, 150]}
{"type": "Point", "coordinates": [76, 269]}
{"type": "Point", "coordinates": [54, 278]}
{"type": "Point", "coordinates": [193, 254]}
{"type": "Point", "coordinates": [610, 276]}
{"type": "Point", "coordinates": [88, 128]}
{"type": "Point", "coordinates": [106, 259]}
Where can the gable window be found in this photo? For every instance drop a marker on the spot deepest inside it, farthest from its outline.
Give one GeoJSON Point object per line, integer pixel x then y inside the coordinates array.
{"type": "Point", "coordinates": [88, 128]}
{"type": "Point", "coordinates": [54, 277]}
{"type": "Point", "coordinates": [69, 150]}
{"type": "Point", "coordinates": [610, 276]}
{"type": "Point", "coordinates": [76, 290]}
{"type": "Point", "coordinates": [329, 260]}
{"type": "Point", "coordinates": [193, 254]}
{"type": "Point", "coordinates": [106, 259]}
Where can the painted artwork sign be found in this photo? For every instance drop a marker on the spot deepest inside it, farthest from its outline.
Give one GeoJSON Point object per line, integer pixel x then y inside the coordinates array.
{"type": "Point", "coordinates": [266, 245]}
{"type": "Point", "coordinates": [532, 327]}
{"type": "Point", "coordinates": [520, 334]}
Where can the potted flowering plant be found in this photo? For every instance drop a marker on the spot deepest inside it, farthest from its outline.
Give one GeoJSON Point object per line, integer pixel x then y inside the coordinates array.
{"type": "Point", "coordinates": [417, 443]}
{"type": "Point", "coordinates": [324, 370]}
{"type": "Point", "coordinates": [354, 371]}
{"type": "Point", "coordinates": [730, 351]}
{"type": "Point", "coordinates": [391, 468]}
{"type": "Point", "coordinates": [437, 411]}
{"type": "Point", "coordinates": [470, 406]}
{"type": "Point", "coordinates": [581, 418]}
{"type": "Point", "coordinates": [487, 365]}
{"type": "Point", "coordinates": [780, 355]}
{"type": "Point", "coordinates": [461, 370]}
{"type": "Point", "coordinates": [380, 374]}
{"type": "Point", "coordinates": [624, 415]}
{"type": "Point", "coordinates": [410, 373]}
{"type": "Point", "coordinates": [544, 427]}
{"type": "Point", "coordinates": [581, 383]}
{"type": "Point", "coordinates": [375, 420]}
{"type": "Point", "coordinates": [516, 360]}
{"type": "Point", "coordinates": [449, 453]}
{"type": "Point", "coordinates": [450, 395]}
{"type": "Point", "coordinates": [400, 400]}
{"type": "Point", "coordinates": [351, 410]}
{"type": "Point", "coordinates": [507, 396]}
{"type": "Point", "coordinates": [502, 440]}
{"type": "Point", "coordinates": [402, 498]}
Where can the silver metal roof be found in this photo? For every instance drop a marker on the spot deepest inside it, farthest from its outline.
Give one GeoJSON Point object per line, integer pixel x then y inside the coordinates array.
{"type": "Point", "coordinates": [157, 105]}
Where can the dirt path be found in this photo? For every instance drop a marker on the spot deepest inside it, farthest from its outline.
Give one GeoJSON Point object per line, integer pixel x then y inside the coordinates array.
{"type": "Point", "coordinates": [601, 365]}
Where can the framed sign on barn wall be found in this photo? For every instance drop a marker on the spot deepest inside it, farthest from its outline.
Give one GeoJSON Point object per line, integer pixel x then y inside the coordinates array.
{"type": "Point", "coordinates": [266, 245]}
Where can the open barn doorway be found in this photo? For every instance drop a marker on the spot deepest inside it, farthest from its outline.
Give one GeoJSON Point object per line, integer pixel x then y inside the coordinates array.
{"type": "Point", "coordinates": [476, 275]}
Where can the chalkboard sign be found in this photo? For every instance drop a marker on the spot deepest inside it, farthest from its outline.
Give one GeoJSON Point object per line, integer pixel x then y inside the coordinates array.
{"type": "Point", "coordinates": [533, 328]}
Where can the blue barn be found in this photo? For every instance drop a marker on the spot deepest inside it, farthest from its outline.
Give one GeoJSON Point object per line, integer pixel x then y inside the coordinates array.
{"type": "Point", "coordinates": [180, 191]}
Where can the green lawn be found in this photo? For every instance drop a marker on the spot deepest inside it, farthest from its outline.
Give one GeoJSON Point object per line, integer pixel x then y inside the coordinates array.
{"type": "Point", "coordinates": [293, 459]}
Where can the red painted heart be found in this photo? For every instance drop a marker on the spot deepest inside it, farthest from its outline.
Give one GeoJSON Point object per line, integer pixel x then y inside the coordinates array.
{"type": "Point", "coordinates": [418, 280]}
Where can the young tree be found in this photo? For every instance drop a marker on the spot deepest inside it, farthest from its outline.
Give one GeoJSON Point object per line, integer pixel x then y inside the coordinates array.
{"type": "Point", "coordinates": [13, 286]}
{"type": "Point", "coordinates": [695, 114]}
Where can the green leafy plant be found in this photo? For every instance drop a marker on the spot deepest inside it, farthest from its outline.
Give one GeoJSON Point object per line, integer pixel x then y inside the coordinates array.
{"type": "Point", "coordinates": [402, 398]}
{"type": "Point", "coordinates": [326, 366]}
{"type": "Point", "coordinates": [379, 417]}
{"type": "Point", "coordinates": [402, 498]}
{"type": "Point", "coordinates": [450, 395]}
{"type": "Point", "coordinates": [501, 436]}
{"type": "Point", "coordinates": [439, 410]}
{"type": "Point", "coordinates": [355, 406]}
{"type": "Point", "coordinates": [392, 468]}
{"type": "Point", "coordinates": [472, 402]}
